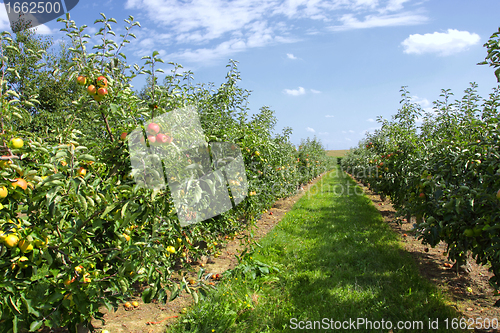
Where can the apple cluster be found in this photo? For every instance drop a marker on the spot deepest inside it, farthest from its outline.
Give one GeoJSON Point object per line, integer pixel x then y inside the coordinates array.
{"type": "Point", "coordinates": [155, 137]}
{"type": "Point", "coordinates": [98, 89]}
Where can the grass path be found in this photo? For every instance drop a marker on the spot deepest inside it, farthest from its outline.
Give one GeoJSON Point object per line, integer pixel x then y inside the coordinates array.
{"type": "Point", "coordinates": [338, 263]}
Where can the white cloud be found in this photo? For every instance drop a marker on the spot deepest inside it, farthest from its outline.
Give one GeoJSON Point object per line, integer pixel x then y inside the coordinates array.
{"type": "Point", "coordinates": [371, 120]}
{"type": "Point", "coordinates": [351, 131]}
{"type": "Point", "coordinates": [295, 92]}
{"type": "Point", "coordinates": [4, 20]}
{"type": "Point", "coordinates": [329, 116]}
{"type": "Point", "coordinates": [349, 21]}
{"type": "Point", "coordinates": [315, 91]}
{"type": "Point", "coordinates": [42, 29]}
{"type": "Point", "coordinates": [222, 50]}
{"type": "Point", "coordinates": [201, 30]}
{"type": "Point", "coordinates": [393, 5]}
{"type": "Point", "coordinates": [423, 102]}
{"type": "Point", "coordinates": [309, 129]}
{"type": "Point", "coordinates": [442, 43]}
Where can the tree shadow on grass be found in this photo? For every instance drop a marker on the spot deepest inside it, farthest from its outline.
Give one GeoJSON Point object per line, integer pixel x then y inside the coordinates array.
{"type": "Point", "coordinates": [355, 268]}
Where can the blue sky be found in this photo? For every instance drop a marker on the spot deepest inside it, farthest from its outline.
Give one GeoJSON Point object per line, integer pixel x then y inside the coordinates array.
{"type": "Point", "coordinates": [327, 68]}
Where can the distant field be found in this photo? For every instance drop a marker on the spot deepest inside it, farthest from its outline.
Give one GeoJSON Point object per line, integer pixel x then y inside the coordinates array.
{"type": "Point", "coordinates": [336, 153]}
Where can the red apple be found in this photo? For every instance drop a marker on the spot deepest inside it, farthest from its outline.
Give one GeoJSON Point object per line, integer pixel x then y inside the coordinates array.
{"type": "Point", "coordinates": [152, 139]}
{"type": "Point", "coordinates": [169, 139]}
{"type": "Point", "coordinates": [422, 195]}
{"type": "Point", "coordinates": [102, 81]}
{"type": "Point", "coordinates": [153, 129]}
{"type": "Point", "coordinates": [91, 89]}
{"type": "Point", "coordinates": [102, 91]}
{"type": "Point", "coordinates": [161, 138]}
{"type": "Point", "coordinates": [81, 80]}
{"type": "Point", "coordinates": [123, 136]}
{"type": "Point", "coordinates": [98, 98]}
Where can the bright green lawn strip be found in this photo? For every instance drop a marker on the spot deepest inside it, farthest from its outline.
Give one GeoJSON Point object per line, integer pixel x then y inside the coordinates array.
{"type": "Point", "coordinates": [337, 259]}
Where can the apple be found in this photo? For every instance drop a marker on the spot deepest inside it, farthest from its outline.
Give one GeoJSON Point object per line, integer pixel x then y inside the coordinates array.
{"type": "Point", "coordinates": [91, 89]}
{"type": "Point", "coordinates": [3, 192]}
{"type": "Point", "coordinates": [17, 143]}
{"type": "Point", "coordinates": [153, 128]}
{"type": "Point", "coordinates": [23, 262]}
{"type": "Point", "coordinates": [169, 139]}
{"type": "Point", "coordinates": [123, 136]}
{"type": "Point", "coordinates": [25, 245]}
{"type": "Point", "coordinates": [82, 172]}
{"type": "Point", "coordinates": [102, 81]}
{"type": "Point", "coordinates": [422, 195]}
{"type": "Point", "coordinates": [98, 98]}
{"type": "Point", "coordinates": [161, 138]}
{"type": "Point", "coordinates": [102, 91]}
{"type": "Point", "coordinates": [152, 139]}
{"type": "Point", "coordinates": [81, 80]}
{"type": "Point", "coordinates": [498, 195]}
{"type": "Point", "coordinates": [21, 183]}
{"type": "Point", "coordinates": [11, 240]}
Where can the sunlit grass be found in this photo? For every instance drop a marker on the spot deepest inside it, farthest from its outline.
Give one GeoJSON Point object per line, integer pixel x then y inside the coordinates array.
{"type": "Point", "coordinates": [336, 153]}
{"type": "Point", "coordinates": [337, 259]}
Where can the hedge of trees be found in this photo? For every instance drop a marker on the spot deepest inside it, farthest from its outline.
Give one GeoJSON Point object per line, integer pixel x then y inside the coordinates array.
{"type": "Point", "coordinates": [445, 171]}
{"type": "Point", "coordinates": [76, 230]}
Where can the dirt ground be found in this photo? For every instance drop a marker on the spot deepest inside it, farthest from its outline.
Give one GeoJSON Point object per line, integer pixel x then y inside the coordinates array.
{"type": "Point", "coordinates": [156, 317]}
{"type": "Point", "coordinates": [472, 295]}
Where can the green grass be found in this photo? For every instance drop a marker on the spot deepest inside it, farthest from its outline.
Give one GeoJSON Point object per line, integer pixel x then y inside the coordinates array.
{"type": "Point", "coordinates": [337, 259]}
{"type": "Point", "coordinates": [336, 153]}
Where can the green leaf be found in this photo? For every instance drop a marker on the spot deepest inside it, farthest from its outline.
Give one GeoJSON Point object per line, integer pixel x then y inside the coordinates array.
{"type": "Point", "coordinates": [83, 202]}
{"type": "Point", "coordinates": [14, 304]}
{"type": "Point", "coordinates": [86, 157]}
{"type": "Point", "coordinates": [108, 209]}
{"type": "Point", "coordinates": [174, 292]}
{"type": "Point", "coordinates": [147, 295]}
{"type": "Point", "coordinates": [124, 208]}
{"type": "Point", "coordinates": [17, 115]}
{"type": "Point", "coordinates": [195, 297]}
{"type": "Point", "coordinates": [90, 201]}
{"type": "Point", "coordinates": [36, 325]}
{"type": "Point", "coordinates": [61, 154]}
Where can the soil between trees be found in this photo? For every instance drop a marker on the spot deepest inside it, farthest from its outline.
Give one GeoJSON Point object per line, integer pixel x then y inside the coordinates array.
{"type": "Point", "coordinates": [155, 317]}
